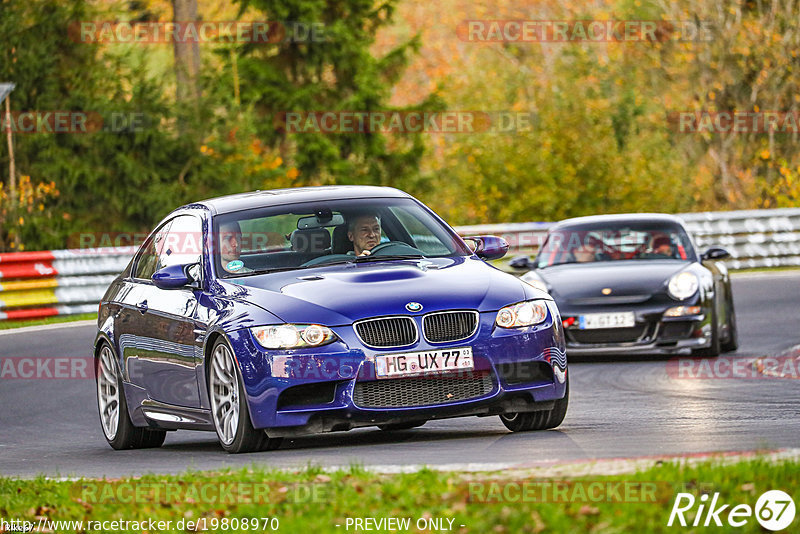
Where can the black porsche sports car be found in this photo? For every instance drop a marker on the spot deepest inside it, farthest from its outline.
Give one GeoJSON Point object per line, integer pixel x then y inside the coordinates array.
{"type": "Point", "coordinates": [635, 284]}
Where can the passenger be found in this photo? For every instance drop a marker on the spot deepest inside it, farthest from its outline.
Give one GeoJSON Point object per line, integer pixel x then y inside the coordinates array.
{"type": "Point", "coordinates": [230, 248]}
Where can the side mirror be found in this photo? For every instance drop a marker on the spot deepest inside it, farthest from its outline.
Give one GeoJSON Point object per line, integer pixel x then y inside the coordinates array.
{"type": "Point", "coordinates": [489, 247]}
{"type": "Point", "coordinates": [172, 277]}
{"type": "Point", "coordinates": [715, 253]}
{"type": "Point", "coordinates": [521, 262]}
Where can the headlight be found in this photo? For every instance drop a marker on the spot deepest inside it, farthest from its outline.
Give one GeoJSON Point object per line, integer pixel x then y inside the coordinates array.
{"type": "Point", "coordinates": [683, 285]}
{"type": "Point", "coordinates": [292, 336]}
{"type": "Point", "coordinates": [534, 280]}
{"type": "Point", "coordinates": [522, 314]}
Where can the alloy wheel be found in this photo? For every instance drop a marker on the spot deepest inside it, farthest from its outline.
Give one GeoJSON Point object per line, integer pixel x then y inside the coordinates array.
{"type": "Point", "coordinates": [224, 394]}
{"type": "Point", "coordinates": [108, 393]}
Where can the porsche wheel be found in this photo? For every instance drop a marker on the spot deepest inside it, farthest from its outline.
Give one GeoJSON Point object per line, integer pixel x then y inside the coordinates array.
{"type": "Point", "coordinates": [113, 408]}
{"type": "Point", "coordinates": [527, 421]}
{"type": "Point", "coordinates": [229, 406]}
{"type": "Point", "coordinates": [732, 342]}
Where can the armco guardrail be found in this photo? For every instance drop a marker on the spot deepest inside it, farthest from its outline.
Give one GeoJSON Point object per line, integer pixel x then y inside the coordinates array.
{"type": "Point", "coordinates": [57, 282]}
{"type": "Point", "coordinates": [755, 238]}
{"type": "Point", "coordinates": [63, 282]}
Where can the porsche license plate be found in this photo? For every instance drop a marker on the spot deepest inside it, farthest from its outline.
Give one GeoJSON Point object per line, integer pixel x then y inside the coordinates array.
{"type": "Point", "coordinates": [606, 320]}
{"type": "Point", "coordinates": [417, 363]}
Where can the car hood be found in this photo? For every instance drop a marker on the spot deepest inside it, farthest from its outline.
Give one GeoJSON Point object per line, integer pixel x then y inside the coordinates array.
{"type": "Point", "coordinates": [624, 278]}
{"type": "Point", "coordinates": [341, 294]}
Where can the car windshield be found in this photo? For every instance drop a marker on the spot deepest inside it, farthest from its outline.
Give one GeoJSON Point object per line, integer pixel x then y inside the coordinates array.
{"type": "Point", "coordinates": [298, 236]}
{"type": "Point", "coordinates": [616, 242]}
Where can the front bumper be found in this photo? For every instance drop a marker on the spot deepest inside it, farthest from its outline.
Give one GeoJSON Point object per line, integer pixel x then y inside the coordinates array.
{"type": "Point", "coordinates": [310, 391]}
{"type": "Point", "coordinates": [652, 334]}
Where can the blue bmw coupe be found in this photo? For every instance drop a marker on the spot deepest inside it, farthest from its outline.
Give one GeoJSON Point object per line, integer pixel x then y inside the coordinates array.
{"type": "Point", "coordinates": [282, 313]}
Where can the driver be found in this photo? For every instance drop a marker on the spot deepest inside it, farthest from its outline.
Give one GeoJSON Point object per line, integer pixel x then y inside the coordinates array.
{"type": "Point", "coordinates": [662, 245]}
{"type": "Point", "coordinates": [585, 253]}
{"type": "Point", "coordinates": [365, 232]}
{"type": "Point", "coordinates": [588, 250]}
{"type": "Point", "coordinates": [230, 247]}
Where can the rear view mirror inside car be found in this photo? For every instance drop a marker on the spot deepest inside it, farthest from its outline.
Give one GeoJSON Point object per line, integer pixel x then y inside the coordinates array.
{"type": "Point", "coordinates": [314, 221]}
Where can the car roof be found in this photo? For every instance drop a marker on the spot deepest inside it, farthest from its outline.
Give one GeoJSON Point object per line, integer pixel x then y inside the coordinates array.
{"type": "Point", "coordinates": [276, 197]}
{"type": "Point", "coordinates": [592, 220]}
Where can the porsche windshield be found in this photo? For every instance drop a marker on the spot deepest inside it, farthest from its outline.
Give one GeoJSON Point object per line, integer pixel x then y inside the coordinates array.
{"type": "Point", "coordinates": [616, 242]}
{"type": "Point", "coordinates": [319, 233]}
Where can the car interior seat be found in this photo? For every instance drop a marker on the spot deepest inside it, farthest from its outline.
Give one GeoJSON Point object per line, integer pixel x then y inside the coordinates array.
{"type": "Point", "coordinates": [311, 241]}
{"type": "Point", "coordinates": [341, 243]}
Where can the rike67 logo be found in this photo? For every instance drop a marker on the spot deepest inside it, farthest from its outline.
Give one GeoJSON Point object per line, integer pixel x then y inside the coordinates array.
{"type": "Point", "coordinates": [774, 511]}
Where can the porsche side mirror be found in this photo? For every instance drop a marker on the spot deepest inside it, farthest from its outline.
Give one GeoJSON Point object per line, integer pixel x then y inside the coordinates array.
{"type": "Point", "coordinates": [488, 247]}
{"type": "Point", "coordinates": [715, 253]}
{"type": "Point", "coordinates": [521, 262]}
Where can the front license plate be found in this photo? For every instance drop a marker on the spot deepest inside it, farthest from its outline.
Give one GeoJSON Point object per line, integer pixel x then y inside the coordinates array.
{"type": "Point", "coordinates": [606, 320]}
{"type": "Point", "coordinates": [417, 363]}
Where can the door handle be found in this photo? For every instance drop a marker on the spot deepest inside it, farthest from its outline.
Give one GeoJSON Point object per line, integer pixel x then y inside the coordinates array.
{"type": "Point", "coordinates": [142, 307]}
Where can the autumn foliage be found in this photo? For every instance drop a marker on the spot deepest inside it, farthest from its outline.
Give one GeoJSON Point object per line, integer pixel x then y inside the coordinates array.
{"type": "Point", "coordinates": [588, 125]}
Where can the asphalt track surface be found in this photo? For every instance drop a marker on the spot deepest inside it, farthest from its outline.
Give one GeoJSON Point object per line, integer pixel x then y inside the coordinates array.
{"type": "Point", "coordinates": [619, 407]}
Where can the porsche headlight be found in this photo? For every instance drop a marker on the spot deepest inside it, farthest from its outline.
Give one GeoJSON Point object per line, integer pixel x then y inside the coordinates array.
{"type": "Point", "coordinates": [523, 314]}
{"type": "Point", "coordinates": [292, 336]}
{"type": "Point", "coordinates": [683, 285]}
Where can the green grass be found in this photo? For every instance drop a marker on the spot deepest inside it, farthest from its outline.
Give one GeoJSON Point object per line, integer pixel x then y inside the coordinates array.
{"type": "Point", "coordinates": [5, 325]}
{"type": "Point", "coordinates": [311, 500]}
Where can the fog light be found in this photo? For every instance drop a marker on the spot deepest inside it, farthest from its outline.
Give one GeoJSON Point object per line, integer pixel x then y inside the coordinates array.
{"type": "Point", "coordinates": [680, 311]}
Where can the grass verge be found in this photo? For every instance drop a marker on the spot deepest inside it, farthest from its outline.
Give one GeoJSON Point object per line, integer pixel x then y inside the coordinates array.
{"type": "Point", "coordinates": [7, 325]}
{"type": "Point", "coordinates": [313, 500]}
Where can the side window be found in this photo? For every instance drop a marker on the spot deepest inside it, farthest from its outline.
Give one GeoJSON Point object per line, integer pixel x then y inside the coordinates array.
{"type": "Point", "coordinates": [148, 258]}
{"type": "Point", "coordinates": [183, 244]}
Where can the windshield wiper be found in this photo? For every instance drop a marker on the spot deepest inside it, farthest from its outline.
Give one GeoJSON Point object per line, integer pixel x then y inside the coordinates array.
{"type": "Point", "coordinates": [357, 259]}
{"type": "Point", "coordinates": [267, 271]}
{"type": "Point", "coordinates": [364, 259]}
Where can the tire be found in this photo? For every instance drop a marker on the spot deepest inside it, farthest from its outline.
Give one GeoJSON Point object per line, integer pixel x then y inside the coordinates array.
{"type": "Point", "coordinates": [401, 426]}
{"type": "Point", "coordinates": [733, 338]}
{"type": "Point", "coordinates": [112, 407]}
{"type": "Point", "coordinates": [229, 405]}
{"type": "Point", "coordinates": [714, 348]}
{"type": "Point", "coordinates": [527, 421]}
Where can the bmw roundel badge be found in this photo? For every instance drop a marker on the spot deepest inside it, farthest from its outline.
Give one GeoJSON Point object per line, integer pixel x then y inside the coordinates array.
{"type": "Point", "coordinates": [413, 306]}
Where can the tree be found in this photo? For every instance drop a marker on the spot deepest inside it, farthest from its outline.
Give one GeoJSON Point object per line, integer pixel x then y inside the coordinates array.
{"type": "Point", "coordinates": [331, 68]}
{"type": "Point", "coordinates": [187, 52]}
